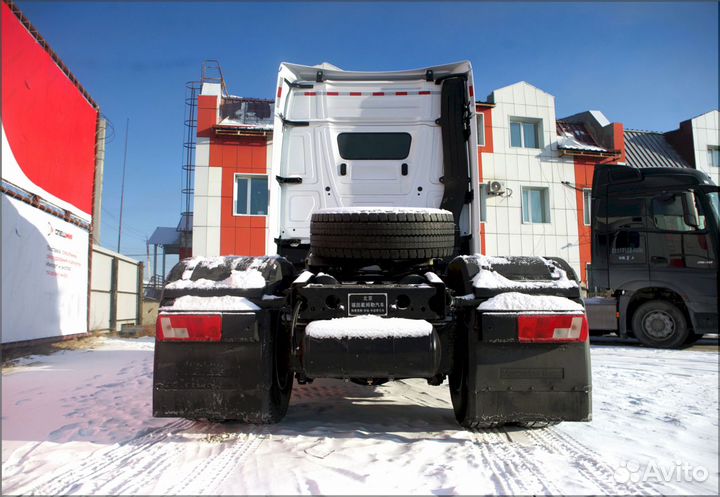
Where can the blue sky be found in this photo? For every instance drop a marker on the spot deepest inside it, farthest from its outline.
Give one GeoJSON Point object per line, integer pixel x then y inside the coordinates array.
{"type": "Point", "coordinates": [647, 65]}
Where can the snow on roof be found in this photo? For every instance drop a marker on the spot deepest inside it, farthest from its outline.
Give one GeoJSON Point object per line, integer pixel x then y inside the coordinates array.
{"type": "Point", "coordinates": [569, 142]}
{"type": "Point", "coordinates": [514, 301]}
{"type": "Point", "coordinates": [380, 209]}
{"type": "Point", "coordinates": [488, 278]}
{"type": "Point", "coordinates": [368, 327]}
{"type": "Point", "coordinates": [574, 136]}
{"type": "Point", "coordinates": [224, 303]}
{"type": "Point", "coordinates": [234, 122]}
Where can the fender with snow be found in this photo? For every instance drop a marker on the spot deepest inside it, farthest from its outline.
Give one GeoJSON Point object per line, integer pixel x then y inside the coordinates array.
{"type": "Point", "coordinates": [508, 366]}
{"type": "Point", "coordinates": [220, 351]}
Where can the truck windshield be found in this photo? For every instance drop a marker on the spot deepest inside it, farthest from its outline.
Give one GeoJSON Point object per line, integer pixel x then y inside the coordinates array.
{"type": "Point", "coordinates": [714, 202]}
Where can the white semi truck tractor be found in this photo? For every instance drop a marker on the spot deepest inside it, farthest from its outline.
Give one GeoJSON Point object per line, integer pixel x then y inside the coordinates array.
{"type": "Point", "coordinates": [376, 273]}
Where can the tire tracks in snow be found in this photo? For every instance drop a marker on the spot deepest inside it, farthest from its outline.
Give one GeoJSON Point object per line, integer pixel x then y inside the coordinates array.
{"type": "Point", "coordinates": [513, 464]}
{"type": "Point", "coordinates": [588, 462]}
{"type": "Point", "coordinates": [213, 471]}
{"type": "Point", "coordinates": [513, 467]}
{"type": "Point", "coordinates": [130, 458]}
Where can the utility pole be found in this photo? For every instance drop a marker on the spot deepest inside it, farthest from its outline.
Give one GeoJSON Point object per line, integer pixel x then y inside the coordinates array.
{"type": "Point", "coordinates": [122, 185]}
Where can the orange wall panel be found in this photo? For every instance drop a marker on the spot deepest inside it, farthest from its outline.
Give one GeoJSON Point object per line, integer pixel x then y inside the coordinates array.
{"type": "Point", "coordinates": [584, 171]}
{"type": "Point", "coordinates": [239, 235]}
{"type": "Point", "coordinates": [207, 114]}
{"type": "Point", "coordinates": [488, 149]}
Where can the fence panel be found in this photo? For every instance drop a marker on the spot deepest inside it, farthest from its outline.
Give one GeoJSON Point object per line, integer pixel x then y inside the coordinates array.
{"type": "Point", "coordinates": [115, 292]}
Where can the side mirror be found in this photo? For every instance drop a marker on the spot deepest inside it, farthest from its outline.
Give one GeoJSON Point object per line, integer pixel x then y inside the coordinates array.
{"type": "Point", "coordinates": [690, 213]}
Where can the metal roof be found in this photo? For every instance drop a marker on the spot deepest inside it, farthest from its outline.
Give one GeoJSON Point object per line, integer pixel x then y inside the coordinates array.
{"type": "Point", "coordinates": [186, 222]}
{"type": "Point", "coordinates": [168, 237]}
{"type": "Point", "coordinates": [650, 149]}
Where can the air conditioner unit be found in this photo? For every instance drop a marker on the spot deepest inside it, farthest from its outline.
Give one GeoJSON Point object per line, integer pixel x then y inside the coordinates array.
{"type": "Point", "coordinates": [495, 188]}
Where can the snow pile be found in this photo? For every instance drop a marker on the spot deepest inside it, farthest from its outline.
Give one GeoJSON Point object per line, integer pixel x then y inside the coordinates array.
{"type": "Point", "coordinates": [224, 303]}
{"type": "Point", "coordinates": [303, 277]}
{"type": "Point", "coordinates": [368, 327]}
{"type": "Point", "coordinates": [488, 278]}
{"type": "Point", "coordinates": [513, 301]}
{"type": "Point", "coordinates": [382, 210]}
{"type": "Point", "coordinates": [239, 279]}
{"type": "Point", "coordinates": [433, 278]}
{"type": "Point", "coordinates": [252, 278]}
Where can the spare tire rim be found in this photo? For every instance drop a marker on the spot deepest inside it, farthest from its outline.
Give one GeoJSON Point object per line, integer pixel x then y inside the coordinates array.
{"type": "Point", "coordinates": [659, 325]}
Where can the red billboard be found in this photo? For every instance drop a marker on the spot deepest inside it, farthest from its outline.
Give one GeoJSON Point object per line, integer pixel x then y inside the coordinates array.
{"type": "Point", "coordinates": [48, 121]}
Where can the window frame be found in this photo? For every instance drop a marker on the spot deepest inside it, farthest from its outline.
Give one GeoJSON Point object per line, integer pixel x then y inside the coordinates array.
{"type": "Point", "coordinates": [249, 176]}
{"type": "Point", "coordinates": [587, 206]}
{"type": "Point", "coordinates": [714, 151]}
{"type": "Point", "coordinates": [522, 121]}
{"type": "Point", "coordinates": [480, 121]}
{"type": "Point", "coordinates": [702, 228]}
{"type": "Point", "coordinates": [545, 191]}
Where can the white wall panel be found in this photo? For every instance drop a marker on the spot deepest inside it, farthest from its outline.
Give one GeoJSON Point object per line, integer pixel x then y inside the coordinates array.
{"type": "Point", "coordinates": [44, 274]}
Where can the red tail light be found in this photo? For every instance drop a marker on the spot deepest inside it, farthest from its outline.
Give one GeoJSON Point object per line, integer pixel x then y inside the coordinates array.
{"type": "Point", "coordinates": [552, 328]}
{"type": "Point", "coordinates": [279, 93]}
{"type": "Point", "coordinates": [188, 327]}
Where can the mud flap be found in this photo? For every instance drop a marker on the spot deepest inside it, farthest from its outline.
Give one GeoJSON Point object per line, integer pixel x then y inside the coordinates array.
{"type": "Point", "coordinates": [510, 381]}
{"type": "Point", "coordinates": [231, 379]}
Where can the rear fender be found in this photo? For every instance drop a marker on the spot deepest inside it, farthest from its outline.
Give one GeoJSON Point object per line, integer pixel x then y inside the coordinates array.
{"type": "Point", "coordinates": [512, 381]}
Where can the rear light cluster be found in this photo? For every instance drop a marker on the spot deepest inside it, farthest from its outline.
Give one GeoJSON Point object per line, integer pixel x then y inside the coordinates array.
{"type": "Point", "coordinates": [188, 327]}
{"type": "Point", "coordinates": [552, 328]}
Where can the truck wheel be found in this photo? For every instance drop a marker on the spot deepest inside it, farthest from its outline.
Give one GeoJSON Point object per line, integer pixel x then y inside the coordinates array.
{"type": "Point", "coordinates": [387, 234]}
{"type": "Point", "coordinates": [282, 376]}
{"type": "Point", "coordinates": [660, 324]}
{"type": "Point", "coordinates": [459, 393]}
{"type": "Point", "coordinates": [460, 390]}
{"type": "Point", "coordinates": [692, 338]}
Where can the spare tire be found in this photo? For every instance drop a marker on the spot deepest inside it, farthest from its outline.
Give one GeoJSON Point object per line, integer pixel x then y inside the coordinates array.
{"type": "Point", "coordinates": [382, 233]}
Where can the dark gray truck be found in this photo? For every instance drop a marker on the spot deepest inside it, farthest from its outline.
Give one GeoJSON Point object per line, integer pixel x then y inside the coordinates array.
{"type": "Point", "coordinates": [654, 271]}
{"type": "Point", "coordinates": [374, 294]}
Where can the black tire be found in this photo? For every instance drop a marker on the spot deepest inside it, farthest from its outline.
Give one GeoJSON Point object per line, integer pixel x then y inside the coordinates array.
{"type": "Point", "coordinates": [693, 337]}
{"type": "Point", "coordinates": [277, 355]}
{"type": "Point", "coordinates": [660, 324]}
{"type": "Point", "coordinates": [458, 380]}
{"type": "Point", "coordinates": [382, 235]}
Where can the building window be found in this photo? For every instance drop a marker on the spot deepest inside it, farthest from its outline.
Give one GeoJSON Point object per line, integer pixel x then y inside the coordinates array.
{"type": "Point", "coordinates": [714, 156]}
{"type": "Point", "coordinates": [525, 133]}
{"type": "Point", "coordinates": [480, 129]}
{"type": "Point", "coordinates": [587, 198]}
{"type": "Point", "coordinates": [535, 205]}
{"type": "Point", "coordinates": [251, 195]}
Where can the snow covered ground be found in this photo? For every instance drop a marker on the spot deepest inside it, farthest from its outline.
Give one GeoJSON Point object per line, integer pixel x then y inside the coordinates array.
{"type": "Point", "coordinates": [79, 422]}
